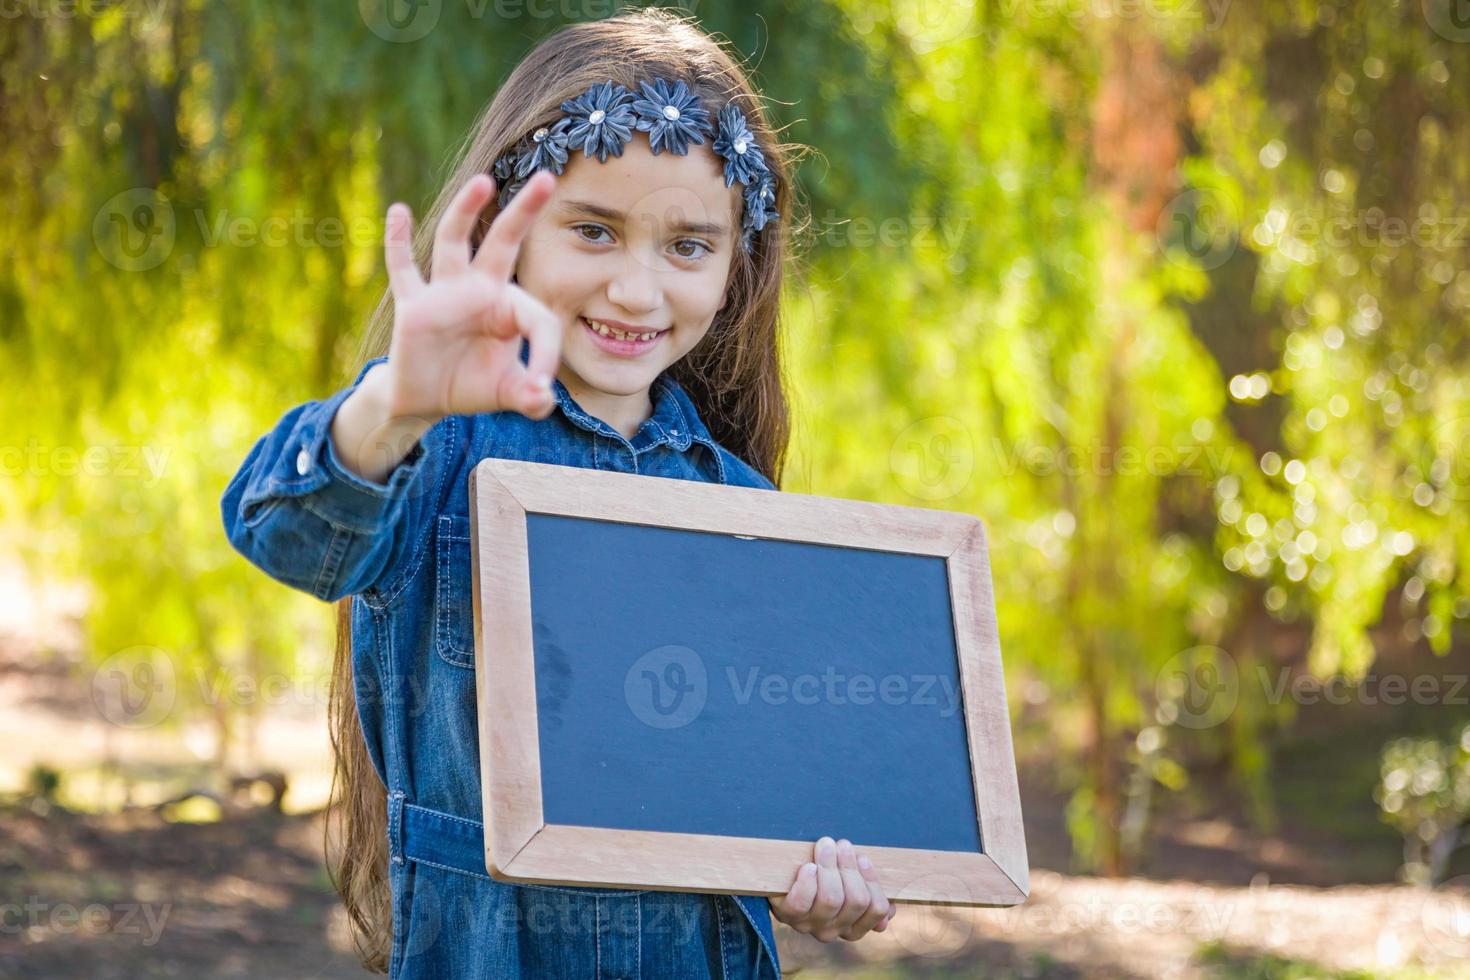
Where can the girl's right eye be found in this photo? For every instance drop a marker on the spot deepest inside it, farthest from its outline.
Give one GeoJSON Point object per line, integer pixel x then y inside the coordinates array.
{"type": "Point", "coordinates": [579, 229]}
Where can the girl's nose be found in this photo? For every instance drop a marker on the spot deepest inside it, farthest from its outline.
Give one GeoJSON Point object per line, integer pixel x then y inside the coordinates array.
{"type": "Point", "coordinates": [636, 286]}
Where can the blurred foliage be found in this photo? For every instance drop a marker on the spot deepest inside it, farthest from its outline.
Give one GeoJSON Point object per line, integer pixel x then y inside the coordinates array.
{"type": "Point", "coordinates": [1424, 793]}
{"type": "Point", "coordinates": [1174, 299]}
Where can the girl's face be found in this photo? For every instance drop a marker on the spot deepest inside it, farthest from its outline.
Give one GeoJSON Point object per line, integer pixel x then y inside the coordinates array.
{"type": "Point", "coordinates": [641, 243]}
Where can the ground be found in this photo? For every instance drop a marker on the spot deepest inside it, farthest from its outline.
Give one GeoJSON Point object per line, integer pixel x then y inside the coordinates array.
{"type": "Point", "coordinates": [248, 896]}
{"type": "Point", "coordinates": [134, 895]}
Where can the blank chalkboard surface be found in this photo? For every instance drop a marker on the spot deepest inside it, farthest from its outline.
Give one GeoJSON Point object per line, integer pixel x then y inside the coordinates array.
{"type": "Point", "coordinates": [682, 685]}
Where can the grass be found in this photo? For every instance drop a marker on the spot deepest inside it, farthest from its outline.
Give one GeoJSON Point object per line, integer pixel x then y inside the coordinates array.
{"type": "Point", "coordinates": [1224, 963]}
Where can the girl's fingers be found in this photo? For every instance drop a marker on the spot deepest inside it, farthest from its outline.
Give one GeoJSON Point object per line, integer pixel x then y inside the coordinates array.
{"type": "Point", "coordinates": [452, 237]}
{"type": "Point", "coordinates": [517, 392]}
{"type": "Point", "coordinates": [403, 272]}
{"type": "Point", "coordinates": [798, 900]}
{"type": "Point", "coordinates": [540, 326]}
{"type": "Point", "coordinates": [855, 898]}
{"type": "Point", "coordinates": [880, 910]}
{"type": "Point", "coordinates": [829, 891]}
{"type": "Point", "coordinates": [497, 255]}
{"type": "Point", "coordinates": [519, 388]}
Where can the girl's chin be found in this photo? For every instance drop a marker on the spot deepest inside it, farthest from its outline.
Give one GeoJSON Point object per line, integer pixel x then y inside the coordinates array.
{"type": "Point", "coordinates": [610, 377]}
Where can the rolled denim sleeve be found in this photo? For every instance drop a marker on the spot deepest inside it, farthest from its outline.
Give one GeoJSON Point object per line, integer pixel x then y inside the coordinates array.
{"type": "Point", "coordinates": [295, 511]}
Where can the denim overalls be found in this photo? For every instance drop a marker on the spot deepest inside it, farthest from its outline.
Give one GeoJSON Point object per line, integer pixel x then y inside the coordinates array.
{"type": "Point", "coordinates": [402, 551]}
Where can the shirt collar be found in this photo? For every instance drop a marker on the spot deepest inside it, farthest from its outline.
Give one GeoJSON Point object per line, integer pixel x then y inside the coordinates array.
{"type": "Point", "coordinates": [675, 420]}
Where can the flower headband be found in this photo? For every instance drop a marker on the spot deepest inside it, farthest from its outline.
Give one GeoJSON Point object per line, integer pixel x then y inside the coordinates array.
{"type": "Point", "coordinates": [602, 119]}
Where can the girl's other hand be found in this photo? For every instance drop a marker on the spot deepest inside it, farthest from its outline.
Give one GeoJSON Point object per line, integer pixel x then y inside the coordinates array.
{"type": "Point", "coordinates": [457, 338]}
{"type": "Point", "coordinates": [837, 894]}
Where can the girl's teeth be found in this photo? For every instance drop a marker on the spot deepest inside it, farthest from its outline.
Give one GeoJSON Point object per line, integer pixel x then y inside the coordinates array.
{"type": "Point", "coordinates": [607, 331]}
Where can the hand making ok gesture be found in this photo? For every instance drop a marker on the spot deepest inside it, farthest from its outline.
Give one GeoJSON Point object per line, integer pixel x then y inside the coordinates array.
{"type": "Point", "coordinates": [457, 338]}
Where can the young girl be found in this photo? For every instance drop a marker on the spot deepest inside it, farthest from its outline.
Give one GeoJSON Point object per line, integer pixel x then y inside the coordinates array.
{"type": "Point", "coordinates": [613, 306]}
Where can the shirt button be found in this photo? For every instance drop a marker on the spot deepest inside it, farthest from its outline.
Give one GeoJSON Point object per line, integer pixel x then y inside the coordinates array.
{"type": "Point", "coordinates": [303, 462]}
{"type": "Point", "coordinates": [673, 432]}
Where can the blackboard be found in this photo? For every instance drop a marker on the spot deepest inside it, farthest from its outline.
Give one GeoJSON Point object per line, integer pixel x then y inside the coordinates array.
{"type": "Point", "coordinates": [682, 685]}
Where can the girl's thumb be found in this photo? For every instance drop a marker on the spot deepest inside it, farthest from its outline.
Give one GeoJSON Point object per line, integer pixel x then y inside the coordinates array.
{"type": "Point", "coordinates": [536, 398]}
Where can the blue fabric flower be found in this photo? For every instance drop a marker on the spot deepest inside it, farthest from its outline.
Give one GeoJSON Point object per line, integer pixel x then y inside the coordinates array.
{"type": "Point", "coordinates": [601, 120]}
{"type": "Point", "coordinates": [671, 116]}
{"type": "Point", "coordinates": [743, 159]}
{"type": "Point", "coordinates": [509, 191]}
{"type": "Point", "coordinates": [760, 207]}
{"type": "Point", "coordinates": [546, 151]}
{"type": "Point", "coordinates": [760, 202]}
{"type": "Point", "coordinates": [505, 168]}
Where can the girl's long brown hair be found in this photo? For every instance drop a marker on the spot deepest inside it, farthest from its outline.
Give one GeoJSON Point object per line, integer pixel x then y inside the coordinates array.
{"type": "Point", "coordinates": [733, 375]}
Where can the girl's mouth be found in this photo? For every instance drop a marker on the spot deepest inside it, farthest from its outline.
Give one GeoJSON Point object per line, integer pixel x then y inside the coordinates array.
{"type": "Point", "coordinates": [616, 342]}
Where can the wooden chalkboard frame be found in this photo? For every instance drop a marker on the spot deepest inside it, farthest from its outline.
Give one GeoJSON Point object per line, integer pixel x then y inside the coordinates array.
{"type": "Point", "coordinates": [521, 847]}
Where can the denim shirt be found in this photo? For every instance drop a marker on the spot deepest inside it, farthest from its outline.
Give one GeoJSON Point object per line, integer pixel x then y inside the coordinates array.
{"type": "Point", "coordinates": [401, 549]}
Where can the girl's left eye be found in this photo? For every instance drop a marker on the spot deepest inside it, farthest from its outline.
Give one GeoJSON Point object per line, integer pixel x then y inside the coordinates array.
{"type": "Point", "coordinates": [684, 248]}
{"type": "Point", "coordinates": [696, 244]}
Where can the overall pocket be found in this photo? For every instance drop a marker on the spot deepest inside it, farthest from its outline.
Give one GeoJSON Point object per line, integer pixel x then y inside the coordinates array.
{"type": "Point", "coordinates": [454, 611]}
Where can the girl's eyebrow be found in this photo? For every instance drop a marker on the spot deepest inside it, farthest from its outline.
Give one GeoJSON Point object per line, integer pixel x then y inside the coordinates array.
{"type": "Point", "coordinates": [573, 208]}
